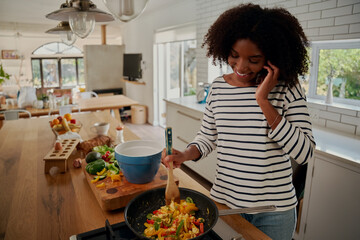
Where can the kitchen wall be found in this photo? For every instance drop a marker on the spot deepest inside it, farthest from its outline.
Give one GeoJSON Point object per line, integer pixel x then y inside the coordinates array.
{"type": "Point", "coordinates": [138, 37]}
{"type": "Point", "coordinates": [321, 20]}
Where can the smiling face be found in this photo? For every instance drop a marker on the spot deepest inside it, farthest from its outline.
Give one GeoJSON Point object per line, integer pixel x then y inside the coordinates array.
{"type": "Point", "coordinates": [247, 61]}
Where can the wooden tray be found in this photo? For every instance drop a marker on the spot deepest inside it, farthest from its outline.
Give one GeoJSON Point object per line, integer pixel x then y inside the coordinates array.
{"type": "Point", "coordinates": [118, 194]}
{"type": "Point", "coordinates": [58, 158]}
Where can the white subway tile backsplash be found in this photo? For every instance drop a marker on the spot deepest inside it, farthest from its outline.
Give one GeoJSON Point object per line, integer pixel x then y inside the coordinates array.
{"type": "Point", "coordinates": [316, 106]}
{"type": "Point", "coordinates": [334, 30]}
{"type": "Point", "coordinates": [312, 31]}
{"type": "Point", "coordinates": [304, 2]}
{"type": "Point", "coordinates": [321, 38]}
{"type": "Point", "coordinates": [341, 126]}
{"type": "Point", "coordinates": [350, 120]}
{"type": "Point", "coordinates": [322, 5]}
{"type": "Point", "coordinates": [341, 110]}
{"type": "Point", "coordinates": [321, 22]}
{"type": "Point", "coordinates": [347, 19]}
{"type": "Point", "coordinates": [329, 115]}
{"type": "Point", "coordinates": [309, 16]}
{"type": "Point", "coordinates": [340, 11]}
{"type": "Point", "coordinates": [347, 36]}
{"type": "Point", "coordinates": [356, 8]}
{"type": "Point", "coordinates": [354, 28]}
{"type": "Point", "coordinates": [299, 9]}
{"type": "Point", "coordinates": [346, 2]}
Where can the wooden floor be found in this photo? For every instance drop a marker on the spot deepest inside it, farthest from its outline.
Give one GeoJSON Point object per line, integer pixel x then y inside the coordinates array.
{"type": "Point", "coordinates": [157, 133]}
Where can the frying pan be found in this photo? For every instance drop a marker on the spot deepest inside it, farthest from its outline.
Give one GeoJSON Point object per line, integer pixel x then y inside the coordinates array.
{"type": "Point", "coordinates": [149, 201]}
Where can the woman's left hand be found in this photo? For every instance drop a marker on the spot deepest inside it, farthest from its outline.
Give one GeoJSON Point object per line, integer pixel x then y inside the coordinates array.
{"type": "Point", "coordinates": [268, 83]}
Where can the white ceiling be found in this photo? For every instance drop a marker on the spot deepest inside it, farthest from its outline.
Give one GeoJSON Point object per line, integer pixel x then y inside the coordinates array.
{"type": "Point", "coordinates": [34, 11]}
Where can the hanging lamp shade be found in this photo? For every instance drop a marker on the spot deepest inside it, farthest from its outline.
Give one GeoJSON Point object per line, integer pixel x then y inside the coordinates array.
{"type": "Point", "coordinates": [126, 10]}
{"type": "Point", "coordinates": [81, 15]}
{"type": "Point", "coordinates": [63, 29]}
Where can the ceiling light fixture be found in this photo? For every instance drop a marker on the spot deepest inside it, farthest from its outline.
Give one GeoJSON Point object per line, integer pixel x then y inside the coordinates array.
{"type": "Point", "coordinates": [81, 15]}
{"type": "Point", "coordinates": [126, 10]}
{"type": "Point", "coordinates": [64, 30]}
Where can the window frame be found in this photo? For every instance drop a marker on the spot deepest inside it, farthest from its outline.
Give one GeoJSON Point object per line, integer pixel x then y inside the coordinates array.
{"type": "Point", "coordinates": [315, 48]}
{"type": "Point", "coordinates": [76, 58]}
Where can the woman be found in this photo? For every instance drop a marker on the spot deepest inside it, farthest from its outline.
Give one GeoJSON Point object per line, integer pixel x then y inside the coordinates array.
{"type": "Point", "coordinates": [256, 117]}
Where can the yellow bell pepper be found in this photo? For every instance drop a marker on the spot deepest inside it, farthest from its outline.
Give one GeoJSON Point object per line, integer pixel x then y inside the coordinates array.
{"type": "Point", "coordinates": [102, 172]}
{"type": "Point", "coordinates": [115, 177]}
{"type": "Point", "coordinates": [101, 185]}
{"type": "Point", "coordinates": [95, 180]}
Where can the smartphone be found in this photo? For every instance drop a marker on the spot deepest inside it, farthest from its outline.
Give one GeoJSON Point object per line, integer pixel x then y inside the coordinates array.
{"type": "Point", "coordinates": [261, 76]}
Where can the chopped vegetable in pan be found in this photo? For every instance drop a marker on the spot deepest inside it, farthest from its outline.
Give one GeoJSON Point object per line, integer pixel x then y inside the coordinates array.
{"type": "Point", "coordinates": [175, 221]}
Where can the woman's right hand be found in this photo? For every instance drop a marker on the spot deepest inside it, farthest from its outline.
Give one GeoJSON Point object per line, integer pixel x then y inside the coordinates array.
{"type": "Point", "coordinates": [177, 158]}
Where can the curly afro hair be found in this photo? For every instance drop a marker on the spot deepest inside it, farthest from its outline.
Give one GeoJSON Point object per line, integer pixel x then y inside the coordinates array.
{"type": "Point", "coordinates": [276, 32]}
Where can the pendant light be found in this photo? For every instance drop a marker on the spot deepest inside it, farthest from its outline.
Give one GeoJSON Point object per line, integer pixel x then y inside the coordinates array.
{"type": "Point", "coordinates": [64, 30]}
{"type": "Point", "coordinates": [126, 10]}
{"type": "Point", "coordinates": [81, 15]}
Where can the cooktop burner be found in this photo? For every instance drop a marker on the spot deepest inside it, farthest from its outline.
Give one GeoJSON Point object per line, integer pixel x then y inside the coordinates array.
{"type": "Point", "coordinates": [120, 231]}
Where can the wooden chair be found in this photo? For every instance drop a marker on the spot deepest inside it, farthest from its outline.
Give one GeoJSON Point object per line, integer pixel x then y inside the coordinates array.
{"type": "Point", "coordinates": [65, 109]}
{"type": "Point", "coordinates": [14, 114]}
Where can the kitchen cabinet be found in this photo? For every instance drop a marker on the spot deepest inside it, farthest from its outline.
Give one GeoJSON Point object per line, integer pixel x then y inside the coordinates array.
{"type": "Point", "coordinates": [185, 123]}
{"type": "Point", "coordinates": [332, 194]}
{"type": "Point", "coordinates": [331, 201]}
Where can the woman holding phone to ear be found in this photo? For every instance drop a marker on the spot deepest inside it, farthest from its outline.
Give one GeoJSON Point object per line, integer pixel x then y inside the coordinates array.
{"type": "Point", "coordinates": [256, 117]}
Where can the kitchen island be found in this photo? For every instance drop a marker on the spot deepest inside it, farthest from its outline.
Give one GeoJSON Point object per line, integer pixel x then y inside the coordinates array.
{"type": "Point", "coordinates": [35, 205]}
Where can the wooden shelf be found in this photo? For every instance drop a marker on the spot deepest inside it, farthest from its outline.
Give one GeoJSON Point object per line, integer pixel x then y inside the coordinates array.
{"type": "Point", "coordinates": [134, 82]}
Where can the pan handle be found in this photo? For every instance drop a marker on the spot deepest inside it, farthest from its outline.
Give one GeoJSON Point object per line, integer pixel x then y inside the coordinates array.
{"type": "Point", "coordinates": [268, 208]}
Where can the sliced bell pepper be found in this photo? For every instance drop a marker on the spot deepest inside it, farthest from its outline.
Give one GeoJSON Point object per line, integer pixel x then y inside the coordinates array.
{"type": "Point", "coordinates": [101, 185]}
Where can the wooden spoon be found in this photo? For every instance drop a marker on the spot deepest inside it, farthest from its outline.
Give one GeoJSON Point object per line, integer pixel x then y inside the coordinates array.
{"type": "Point", "coordinates": [172, 192]}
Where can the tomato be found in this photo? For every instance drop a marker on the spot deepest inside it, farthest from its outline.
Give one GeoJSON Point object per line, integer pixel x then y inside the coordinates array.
{"type": "Point", "coordinates": [73, 121]}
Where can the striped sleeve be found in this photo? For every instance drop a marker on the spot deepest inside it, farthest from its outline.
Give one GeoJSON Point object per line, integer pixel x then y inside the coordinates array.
{"type": "Point", "coordinates": [206, 138]}
{"type": "Point", "coordinates": [294, 132]}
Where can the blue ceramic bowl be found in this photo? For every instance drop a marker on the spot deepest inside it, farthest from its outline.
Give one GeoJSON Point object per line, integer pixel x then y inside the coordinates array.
{"type": "Point", "coordinates": [139, 160]}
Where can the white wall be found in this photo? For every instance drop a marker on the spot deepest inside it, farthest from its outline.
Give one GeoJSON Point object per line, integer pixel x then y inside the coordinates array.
{"type": "Point", "coordinates": [138, 37]}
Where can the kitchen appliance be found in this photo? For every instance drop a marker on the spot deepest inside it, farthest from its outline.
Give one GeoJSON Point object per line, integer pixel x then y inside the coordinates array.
{"type": "Point", "coordinates": [202, 94]}
{"type": "Point", "coordinates": [120, 231]}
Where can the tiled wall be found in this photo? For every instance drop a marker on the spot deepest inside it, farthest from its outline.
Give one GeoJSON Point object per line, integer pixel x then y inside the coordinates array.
{"type": "Point", "coordinates": [321, 20]}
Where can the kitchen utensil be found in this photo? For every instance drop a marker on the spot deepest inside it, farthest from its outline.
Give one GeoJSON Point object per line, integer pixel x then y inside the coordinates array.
{"type": "Point", "coordinates": [172, 192]}
{"type": "Point", "coordinates": [58, 158]}
{"type": "Point", "coordinates": [100, 128]}
{"type": "Point", "coordinates": [139, 160]}
{"type": "Point", "coordinates": [115, 195]}
{"type": "Point", "coordinates": [147, 202]}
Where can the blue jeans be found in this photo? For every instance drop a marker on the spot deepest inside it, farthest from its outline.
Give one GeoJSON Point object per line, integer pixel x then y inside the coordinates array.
{"type": "Point", "coordinates": [277, 225]}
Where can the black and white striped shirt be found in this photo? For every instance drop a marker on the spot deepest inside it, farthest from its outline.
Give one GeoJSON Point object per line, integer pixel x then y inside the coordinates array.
{"type": "Point", "coordinates": [253, 162]}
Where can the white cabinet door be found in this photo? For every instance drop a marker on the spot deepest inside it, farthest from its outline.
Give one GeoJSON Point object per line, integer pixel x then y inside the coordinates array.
{"type": "Point", "coordinates": [334, 203]}
{"type": "Point", "coordinates": [185, 124]}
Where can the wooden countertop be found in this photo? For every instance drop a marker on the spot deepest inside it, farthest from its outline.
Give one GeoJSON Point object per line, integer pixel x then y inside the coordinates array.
{"type": "Point", "coordinates": [35, 205]}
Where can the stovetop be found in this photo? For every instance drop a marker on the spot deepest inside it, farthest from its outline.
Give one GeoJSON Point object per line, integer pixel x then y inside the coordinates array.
{"type": "Point", "coordinates": [120, 231]}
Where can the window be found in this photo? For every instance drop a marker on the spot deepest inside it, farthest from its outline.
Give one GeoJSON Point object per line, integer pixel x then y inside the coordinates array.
{"type": "Point", "coordinates": [335, 65]}
{"type": "Point", "coordinates": [57, 65]}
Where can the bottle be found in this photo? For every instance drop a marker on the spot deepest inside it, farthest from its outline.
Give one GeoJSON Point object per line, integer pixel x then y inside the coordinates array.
{"type": "Point", "coordinates": [119, 135]}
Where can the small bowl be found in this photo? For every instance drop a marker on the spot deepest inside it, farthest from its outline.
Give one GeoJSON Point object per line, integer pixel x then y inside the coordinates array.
{"type": "Point", "coordinates": [139, 160]}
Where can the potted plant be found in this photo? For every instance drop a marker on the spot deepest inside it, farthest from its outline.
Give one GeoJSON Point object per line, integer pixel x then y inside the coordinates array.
{"type": "Point", "coordinates": [3, 75]}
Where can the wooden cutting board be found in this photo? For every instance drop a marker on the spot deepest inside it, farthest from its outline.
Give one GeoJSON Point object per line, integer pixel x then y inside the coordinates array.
{"type": "Point", "coordinates": [116, 195]}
